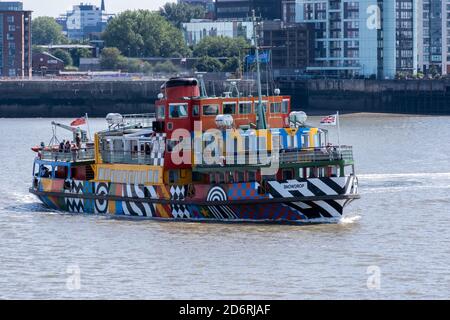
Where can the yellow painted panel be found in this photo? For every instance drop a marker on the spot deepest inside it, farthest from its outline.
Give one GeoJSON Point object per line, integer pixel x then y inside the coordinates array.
{"type": "Point", "coordinates": [312, 133]}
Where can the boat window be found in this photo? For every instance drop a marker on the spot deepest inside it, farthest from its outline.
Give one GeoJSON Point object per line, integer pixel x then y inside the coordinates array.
{"type": "Point", "coordinates": [245, 108]}
{"type": "Point", "coordinates": [240, 176]}
{"type": "Point", "coordinates": [196, 110]}
{"type": "Point", "coordinates": [160, 112]}
{"type": "Point", "coordinates": [212, 178]}
{"type": "Point", "coordinates": [221, 177]}
{"type": "Point", "coordinates": [61, 172]}
{"type": "Point", "coordinates": [302, 172]}
{"type": "Point", "coordinates": [275, 107]}
{"type": "Point", "coordinates": [211, 110]}
{"type": "Point", "coordinates": [285, 106]}
{"type": "Point", "coordinates": [173, 176]}
{"type": "Point", "coordinates": [45, 171]}
{"type": "Point", "coordinates": [229, 108]}
{"type": "Point", "coordinates": [230, 177]}
{"type": "Point", "coordinates": [288, 174]}
{"type": "Point", "coordinates": [178, 110]}
{"type": "Point", "coordinates": [251, 176]}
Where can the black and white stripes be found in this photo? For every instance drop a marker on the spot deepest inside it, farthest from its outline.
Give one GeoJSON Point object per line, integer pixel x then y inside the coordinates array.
{"type": "Point", "coordinates": [316, 187]}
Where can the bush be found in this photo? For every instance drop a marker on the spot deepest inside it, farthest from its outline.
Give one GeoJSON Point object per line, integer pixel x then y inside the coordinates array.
{"type": "Point", "coordinates": [209, 64]}
{"type": "Point", "coordinates": [64, 56]}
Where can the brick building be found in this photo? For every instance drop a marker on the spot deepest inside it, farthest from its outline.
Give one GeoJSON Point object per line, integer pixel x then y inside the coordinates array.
{"type": "Point", "coordinates": [15, 40]}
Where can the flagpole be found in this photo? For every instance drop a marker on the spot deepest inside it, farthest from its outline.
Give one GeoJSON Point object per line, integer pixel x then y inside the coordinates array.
{"type": "Point", "coordinates": [87, 123]}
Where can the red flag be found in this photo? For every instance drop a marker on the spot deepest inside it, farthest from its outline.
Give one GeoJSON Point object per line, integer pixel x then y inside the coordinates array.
{"type": "Point", "coordinates": [78, 122]}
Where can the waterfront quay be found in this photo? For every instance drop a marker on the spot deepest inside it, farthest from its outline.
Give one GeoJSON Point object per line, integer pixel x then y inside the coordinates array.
{"type": "Point", "coordinates": [68, 98]}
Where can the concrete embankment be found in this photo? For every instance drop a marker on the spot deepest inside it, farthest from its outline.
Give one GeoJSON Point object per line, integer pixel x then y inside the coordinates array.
{"type": "Point", "coordinates": [386, 96]}
{"type": "Point", "coordinates": [97, 98]}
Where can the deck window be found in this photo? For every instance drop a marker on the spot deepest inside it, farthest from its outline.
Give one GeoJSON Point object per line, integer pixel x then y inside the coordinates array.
{"type": "Point", "coordinates": [288, 174]}
{"type": "Point", "coordinates": [178, 111]}
{"type": "Point", "coordinates": [240, 176]}
{"type": "Point", "coordinates": [229, 108]}
{"type": "Point", "coordinates": [251, 176]}
{"type": "Point", "coordinates": [211, 110]}
{"type": "Point", "coordinates": [285, 106]}
{"type": "Point", "coordinates": [245, 108]}
{"type": "Point", "coordinates": [173, 176]}
{"type": "Point", "coordinates": [275, 107]}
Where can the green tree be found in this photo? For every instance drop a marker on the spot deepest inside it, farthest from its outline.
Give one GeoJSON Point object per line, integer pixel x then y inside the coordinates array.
{"type": "Point", "coordinates": [64, 56]}
{"type": "Point", "coordinates": [208, 64]}
{"type": "Point", "coordinates": [232, 65]}
{"type": "Point", "coordinates": [166, 67]}
{"type": "Point", "coordinates": [221, 47]}
{"type": "Point", "coordinates": [178, 13]}
{"type": "Point", "coordinates": [46, 31]}
{"type": "Point", "coordinates": [142, 33]}
{"type": "Point", "coordinates": [80, 53]}
{"type": "Point", "coordinates": [112, 59]}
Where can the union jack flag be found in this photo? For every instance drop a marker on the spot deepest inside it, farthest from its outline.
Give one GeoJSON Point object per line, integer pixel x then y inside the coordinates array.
{"type": "Point", "coordinates": [329, 120]}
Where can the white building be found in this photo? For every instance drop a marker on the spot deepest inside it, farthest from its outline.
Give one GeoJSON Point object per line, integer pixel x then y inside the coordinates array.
{"type": "Point", "coordinates": [362, 37]}
{"type": "Point", "coordinates": [434, 36]}
{"type": "Point", "coordinates": [84, 20]}
{"type": "Point", "coordinates": [198, 29]}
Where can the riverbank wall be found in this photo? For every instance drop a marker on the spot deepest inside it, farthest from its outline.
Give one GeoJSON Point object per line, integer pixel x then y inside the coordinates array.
{"type": "Point", "coordinates": [44, 98]}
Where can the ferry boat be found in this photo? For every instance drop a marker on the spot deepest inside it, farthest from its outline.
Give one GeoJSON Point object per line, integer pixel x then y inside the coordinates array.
{"type": "Point", "coordinates": [231, 158]}
{"type": "Point", "coordinates": [199, 158]}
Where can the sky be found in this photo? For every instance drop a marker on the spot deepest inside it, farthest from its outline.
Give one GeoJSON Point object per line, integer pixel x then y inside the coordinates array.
{"type": "Point", "coordinates": [55, 7]}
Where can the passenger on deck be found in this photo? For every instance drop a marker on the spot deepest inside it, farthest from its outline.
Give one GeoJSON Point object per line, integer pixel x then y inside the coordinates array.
{"type": "Point", "coordinates": [78, 141]}
{"type": "Point", "coordinates": [61, 146]}
{"type": "Point", "coordinates": [74, 150]}
{"type": "Point", "coordinates": [67, 146]}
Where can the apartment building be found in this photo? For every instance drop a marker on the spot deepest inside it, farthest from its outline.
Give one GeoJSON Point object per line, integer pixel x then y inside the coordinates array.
{"type": "Point", "coordinates": [15, 40]}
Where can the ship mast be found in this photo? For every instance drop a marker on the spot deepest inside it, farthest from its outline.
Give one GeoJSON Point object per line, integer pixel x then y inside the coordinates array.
{"type": "Point", "coordinates": [260, 113]}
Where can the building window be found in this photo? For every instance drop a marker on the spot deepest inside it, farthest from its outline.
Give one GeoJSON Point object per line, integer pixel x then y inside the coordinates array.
{"type": "Point", "coordinates": [10, 19]}
{"type": "Point", "coordinates": [12, 28]}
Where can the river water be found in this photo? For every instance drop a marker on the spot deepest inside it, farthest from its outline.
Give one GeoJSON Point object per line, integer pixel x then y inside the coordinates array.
{"type": "Point", "coordinates": [393, 243]}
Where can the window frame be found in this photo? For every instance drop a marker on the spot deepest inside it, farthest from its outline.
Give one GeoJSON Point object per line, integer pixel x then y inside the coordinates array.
{"type": "Point", "coordinates": [241, 103]}
{"type": "Point", "coordinates": [205, 107]}
{"type": "Point", "coordinates": [180, 116]}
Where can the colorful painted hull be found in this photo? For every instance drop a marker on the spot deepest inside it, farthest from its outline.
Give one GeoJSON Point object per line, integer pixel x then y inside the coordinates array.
{"type": "Point", "coordinates": [314, 200]}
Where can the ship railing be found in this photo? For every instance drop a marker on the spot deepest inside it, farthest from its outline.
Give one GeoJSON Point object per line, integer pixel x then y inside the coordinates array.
{"type": "Point", "coordinates": [74, 155]}
{"type": "Point", "coordinates": [143, 119]}
{"type": "Point", "coordinates": [334, 153]}
{"type": "Point", "coordinates": [303, 155]}
{"type": "Point", "coordinates": [123, 157]}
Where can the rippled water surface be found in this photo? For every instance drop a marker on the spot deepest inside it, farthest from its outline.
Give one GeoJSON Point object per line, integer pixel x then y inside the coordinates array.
{"type": "Point", "coordinates": [399, 230]}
